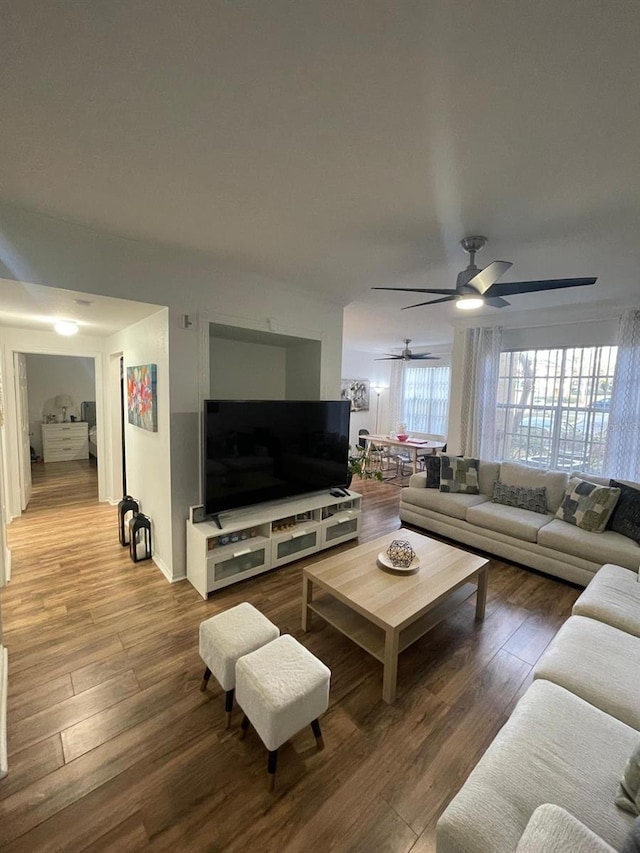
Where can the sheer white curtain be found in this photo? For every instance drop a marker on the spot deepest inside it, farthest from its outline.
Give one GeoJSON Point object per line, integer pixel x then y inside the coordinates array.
{"type": "Point", "coordinates": [480, 391]}
{"type": "Point", "coordinates": [396, 396]}
{"type": "Point", "coordinates": [622, 455]}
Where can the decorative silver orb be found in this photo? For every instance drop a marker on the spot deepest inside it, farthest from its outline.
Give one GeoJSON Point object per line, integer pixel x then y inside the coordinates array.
{"type": "Point", "coordinates": [401, 553]}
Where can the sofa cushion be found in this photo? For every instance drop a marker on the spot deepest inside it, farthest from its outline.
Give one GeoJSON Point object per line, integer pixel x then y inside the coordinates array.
{"type": "Point", "coordinates": [488, 473]}
{"type": "Point", "coordinates": [509, 520]}
{"type": "Point", "coordinates": [598, 663]}
{"type": "Point", "coordinates": [555, 482]}
{"type": "Point", "coordinates": [459, 474]}
{"type": "Point", "coordinates": [607, 547]}
{"type": "Point", "coordinates": [553, 830]}
{"type": "Point", "coordinates": [554, 744]}
{"type": "Point", "coordinates": [628, 796]}
{"type": "Point", "coordinates": [625, 517]}
{"type": "Point", "coordinates": [612, 597]}
{"type": "Point", "coordinates": [453, 505]}
{"type": "Point", "coordinates": [587, 505]}
{"type": "Point", "coordinates": [535, 500]}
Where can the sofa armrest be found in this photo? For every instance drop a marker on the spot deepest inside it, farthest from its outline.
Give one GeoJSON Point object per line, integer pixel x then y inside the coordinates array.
{"type": "Point", "coordinates": [419, 480]}
{"type": "Point", "coordinates": [552, 829]}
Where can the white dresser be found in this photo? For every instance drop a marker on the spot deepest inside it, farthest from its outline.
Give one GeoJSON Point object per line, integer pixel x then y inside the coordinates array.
{"type": "Point", "coordinates": [62, 442]}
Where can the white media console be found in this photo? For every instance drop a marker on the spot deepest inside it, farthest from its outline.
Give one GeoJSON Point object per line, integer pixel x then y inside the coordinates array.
{"type": "Point", "coordinates": [258, 538]}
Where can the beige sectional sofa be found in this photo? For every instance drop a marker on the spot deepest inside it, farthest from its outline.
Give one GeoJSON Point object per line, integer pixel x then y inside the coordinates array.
{"type": "Point", "coordinates": [550, 779]}
{"type": "Point", "coordinates": [540, 541]}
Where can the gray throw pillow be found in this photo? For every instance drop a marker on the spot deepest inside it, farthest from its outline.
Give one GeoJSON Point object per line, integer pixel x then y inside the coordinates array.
{"type": "Point", "coordinates": [628, 796]}
{"type": "Point", "coordinates": [459, 474]}
{"type": "Point", "coordinates": [534, 499]}
{"type": "Point", "coordinates": [587, 505]}
{"type": "Point", "coordinates": [625, 518]}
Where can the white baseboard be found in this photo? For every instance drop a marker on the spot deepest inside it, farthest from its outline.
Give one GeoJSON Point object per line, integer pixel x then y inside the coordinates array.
{"type": "Point", "coordinates": [163, 568]}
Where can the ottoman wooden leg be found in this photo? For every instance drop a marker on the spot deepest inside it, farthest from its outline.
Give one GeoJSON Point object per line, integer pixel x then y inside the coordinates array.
{"type": "Point", "coordinates": [244, 725]}
{"type": "Point", "coordinates": [272, 763]}
{"type": "Point", "coordinates": [228, 705]}
{"type": "Point", "coordinates": [205, 679]}
{"type": "Point", "coordinates": [315, 725]}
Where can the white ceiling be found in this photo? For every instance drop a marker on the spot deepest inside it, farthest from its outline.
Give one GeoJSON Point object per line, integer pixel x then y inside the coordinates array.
{"type": "Point", "coordinates": [33, 306]}
{"type": "Point", "coordinates": [341, 144]}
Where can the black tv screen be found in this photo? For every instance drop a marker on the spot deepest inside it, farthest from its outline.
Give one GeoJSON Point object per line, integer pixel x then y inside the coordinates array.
{"type": "Point", "coordinates": [264, 450]}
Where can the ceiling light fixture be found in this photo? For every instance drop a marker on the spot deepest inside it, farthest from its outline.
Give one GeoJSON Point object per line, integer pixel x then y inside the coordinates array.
{"type": "Point", "coordinates": [468, 303]}
{"type": "Point", "coordinates": [66, 327]}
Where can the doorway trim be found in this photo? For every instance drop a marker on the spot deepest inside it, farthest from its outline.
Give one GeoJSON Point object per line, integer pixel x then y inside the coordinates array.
{"type": "Point", "coordinates": [12, 432]}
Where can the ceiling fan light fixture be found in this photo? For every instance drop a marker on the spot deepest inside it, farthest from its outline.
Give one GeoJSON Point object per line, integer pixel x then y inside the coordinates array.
{"type": "Point", "coordinates": [468, 303]}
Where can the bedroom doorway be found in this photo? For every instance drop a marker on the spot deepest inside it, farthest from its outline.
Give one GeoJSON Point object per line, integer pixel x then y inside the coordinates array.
{"type": "Point", "coordinates": [61, 390]}
{"type": "Point", "coordinates": [60, 419]}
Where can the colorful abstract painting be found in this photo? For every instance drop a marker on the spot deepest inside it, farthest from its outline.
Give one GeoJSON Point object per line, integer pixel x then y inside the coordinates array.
{"type": "Point", "coordinates": [142, 407]}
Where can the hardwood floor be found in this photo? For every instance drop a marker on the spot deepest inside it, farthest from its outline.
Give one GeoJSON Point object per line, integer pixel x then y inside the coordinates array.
{"type": "Point", "coordinates": [112, 746]}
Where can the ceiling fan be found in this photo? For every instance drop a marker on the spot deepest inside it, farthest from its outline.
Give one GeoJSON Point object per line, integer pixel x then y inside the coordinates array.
{"type": "Point", "coordinates": [407, 355]}
{"type": "Point", "coordinates": [475, 287]}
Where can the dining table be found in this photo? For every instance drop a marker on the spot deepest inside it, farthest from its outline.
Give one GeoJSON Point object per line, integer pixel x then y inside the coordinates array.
{"type": "Point", "coordinates": [416, 447]}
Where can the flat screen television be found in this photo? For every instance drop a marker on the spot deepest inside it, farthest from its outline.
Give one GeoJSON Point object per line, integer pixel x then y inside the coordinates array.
{"type": "Point", "coordinates": [264, 450]}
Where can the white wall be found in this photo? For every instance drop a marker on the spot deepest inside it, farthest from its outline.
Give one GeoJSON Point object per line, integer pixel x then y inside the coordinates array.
{"type": "Point", "coordinates": [50, 252]}
{"type": "Point", "coordinates": [50, 375]}
{"type": "Point", "coordinates": [303, 371]}
{"type": "Point", "coordinates": [148, 453]}
{"type": "Point", "coordinates": [248, 371]}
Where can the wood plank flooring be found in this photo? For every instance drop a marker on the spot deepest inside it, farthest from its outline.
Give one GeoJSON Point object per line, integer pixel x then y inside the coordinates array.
{"type": "Point", "coordinates": [112, 747]}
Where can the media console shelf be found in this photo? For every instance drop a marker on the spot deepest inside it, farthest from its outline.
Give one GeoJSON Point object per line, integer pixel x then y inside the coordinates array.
{"type": "Point", "coordinates": [266, 536]}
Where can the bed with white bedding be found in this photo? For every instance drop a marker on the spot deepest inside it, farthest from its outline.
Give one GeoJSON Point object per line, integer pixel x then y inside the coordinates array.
{"type": "Point", "coordinates": [88, 414]}
{"type": "Point", "coordinates": [93, 441]}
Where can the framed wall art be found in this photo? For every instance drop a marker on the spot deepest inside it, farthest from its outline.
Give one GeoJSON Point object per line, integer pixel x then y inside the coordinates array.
{"type": "Point", "coordinates": [357, 392]}
{"type": "Point", "coordinates": [142, 405]}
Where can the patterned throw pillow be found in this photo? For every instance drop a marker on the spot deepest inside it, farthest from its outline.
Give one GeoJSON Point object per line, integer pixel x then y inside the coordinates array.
{"type": "Point", "coordinates": [532, 499]}
{"type": "Point", "coordinates": [459, 474]}
{"type": "Point", "coordinates": [432, 467]}
{"type": "Point", "coordinates": [586, 505]}
{"type": "Point", "coordinates": [625, 517]}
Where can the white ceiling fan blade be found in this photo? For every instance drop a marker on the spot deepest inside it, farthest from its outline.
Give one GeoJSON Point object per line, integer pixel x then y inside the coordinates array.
{"type": "Point", "coordinates": [483, 280]}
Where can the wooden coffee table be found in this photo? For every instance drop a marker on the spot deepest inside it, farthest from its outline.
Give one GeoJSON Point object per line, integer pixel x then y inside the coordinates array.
{"type": "Point", "coordinates": [383, 611]}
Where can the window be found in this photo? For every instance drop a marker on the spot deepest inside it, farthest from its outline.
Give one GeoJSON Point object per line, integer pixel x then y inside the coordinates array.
{"type": "Point", "coordinates": [553, 406]}
{"type": "Point", "coordinates": [425, 404]}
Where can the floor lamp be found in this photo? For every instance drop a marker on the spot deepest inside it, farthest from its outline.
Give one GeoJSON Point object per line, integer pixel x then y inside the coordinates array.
{"type": "Point", "coordinates": [378, 389]}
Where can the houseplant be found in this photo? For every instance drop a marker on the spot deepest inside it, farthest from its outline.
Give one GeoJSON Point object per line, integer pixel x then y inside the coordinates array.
{"type": "Point", "coordinates": [360, 464]}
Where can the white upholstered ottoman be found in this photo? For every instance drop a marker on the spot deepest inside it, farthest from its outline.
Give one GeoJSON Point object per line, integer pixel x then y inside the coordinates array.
{"type": "Point", "coordinates": [281, 688]}
{"type": "Point", "coordinates": [226, 637]}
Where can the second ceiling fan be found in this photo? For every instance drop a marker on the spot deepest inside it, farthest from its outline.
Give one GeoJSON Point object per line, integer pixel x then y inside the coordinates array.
{"type": "Point", "coordinates": [475, 287]}
{"type": "Point", "coordinates": [407, 355]}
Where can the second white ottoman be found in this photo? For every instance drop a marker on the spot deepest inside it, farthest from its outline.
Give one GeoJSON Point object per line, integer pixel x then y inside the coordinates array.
{"type": "Point", "coordinates": [282, 688]}
{"type": "Point", "coordinates": [226, 637]}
